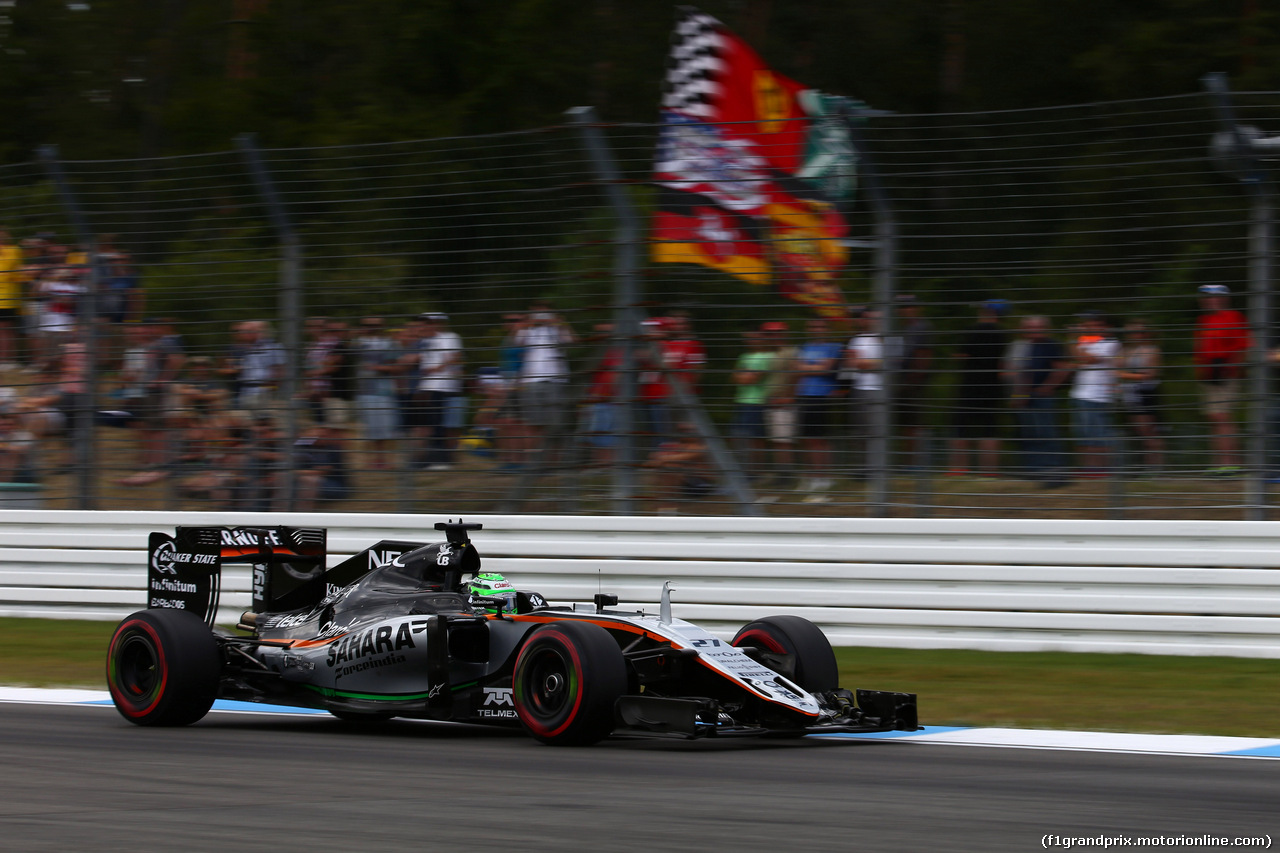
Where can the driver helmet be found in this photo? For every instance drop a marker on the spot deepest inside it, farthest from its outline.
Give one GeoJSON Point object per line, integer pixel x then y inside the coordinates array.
{"type": "Point", "coordinates": [491, 584]}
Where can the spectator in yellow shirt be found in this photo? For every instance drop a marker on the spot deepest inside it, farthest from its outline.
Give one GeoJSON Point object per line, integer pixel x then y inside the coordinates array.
{"type": "Point", "coordinates": [10, 297]}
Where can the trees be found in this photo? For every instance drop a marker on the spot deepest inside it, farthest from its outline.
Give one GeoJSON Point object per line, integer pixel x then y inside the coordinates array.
{"type": "Point", "coordinates": [123, 78]}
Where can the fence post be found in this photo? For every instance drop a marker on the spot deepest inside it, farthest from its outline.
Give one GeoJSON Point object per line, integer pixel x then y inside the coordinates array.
{"type": "Point", "coordinates": [626, 315]}
{"type": "Point", "coordinates": [84, 432]}
{"type": "Point", "coordinates": [1260, 247]}
{"type": "Point", "coordinates": [880, 447]}
{"type": "Point", "coordinates": [290, 304]}
{"type": "Point", "coordinates": [1254, 177]}
{"type": "Point", "coordinates": [626, 328]}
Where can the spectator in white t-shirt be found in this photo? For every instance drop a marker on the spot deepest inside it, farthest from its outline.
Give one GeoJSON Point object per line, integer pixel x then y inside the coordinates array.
{"type": "Point", "coordinates": [1096, 355]}
{"type": "Point", "coordinates": [864, 359]}
{"type": "Point", "coordinates": [544, 371]}
{"type": "Point", "coordinates": [440, 389]}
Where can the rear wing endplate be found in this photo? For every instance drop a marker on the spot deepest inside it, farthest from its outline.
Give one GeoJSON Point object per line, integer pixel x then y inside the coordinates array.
{"type": "Point", "coordinates": [184, 571]}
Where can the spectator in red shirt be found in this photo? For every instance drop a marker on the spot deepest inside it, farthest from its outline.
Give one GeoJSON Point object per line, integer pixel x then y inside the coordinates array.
{"type": "Point", "coordinates": [684, 353]}
{"type": "Point", "coordinates": [654, 411]}
{"type": "Point", "coordinates": [683, 357]}
{"type": "Point", "coordinates": [1222, 343]}
{"type": "Point", "coordinates": [601, 418]}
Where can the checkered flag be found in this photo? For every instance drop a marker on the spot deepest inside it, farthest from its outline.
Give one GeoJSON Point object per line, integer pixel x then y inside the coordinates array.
{"type": "Point", "coordinates": [695, 65]}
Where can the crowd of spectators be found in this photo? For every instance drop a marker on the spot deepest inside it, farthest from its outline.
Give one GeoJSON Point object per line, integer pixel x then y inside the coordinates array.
{"type": "Point", "coordinates": [809, 399]}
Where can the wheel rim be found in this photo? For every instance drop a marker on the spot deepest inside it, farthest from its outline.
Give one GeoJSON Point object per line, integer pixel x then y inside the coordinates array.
{"type": "Point", "coordinates": [761, 639]}
{"type": "Point", "coordinates": [138, 667]}
{"type": "Point", "coordinates": [550, 683]}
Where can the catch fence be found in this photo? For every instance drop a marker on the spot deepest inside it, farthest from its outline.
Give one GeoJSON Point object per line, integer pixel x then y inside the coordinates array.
{"type": "Point", "coordinates": [1114, 210]}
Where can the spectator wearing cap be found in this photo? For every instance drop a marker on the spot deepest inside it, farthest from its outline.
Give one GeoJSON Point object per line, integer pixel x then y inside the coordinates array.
{"type": "Point", "coordinates": [979, 396]}
{"type": "Point", "coordinates": [673, 355]}
{"type": "Point", "coordinates": [780, 401]}
{"type": "Point", "coordinates": [543, 337]}
{"type": "Point", "coordinates": [440, 386]}
{"type": "Point", "coordinates": [1096, 355]}
{"type": "Point", "coordinates": [655, 408]}
{"type": "Point", "coordinates": [1220, 350]}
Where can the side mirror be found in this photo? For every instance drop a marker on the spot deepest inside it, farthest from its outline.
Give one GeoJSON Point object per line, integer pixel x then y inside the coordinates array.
{"type": "Point", "coordinates": [527, 602]}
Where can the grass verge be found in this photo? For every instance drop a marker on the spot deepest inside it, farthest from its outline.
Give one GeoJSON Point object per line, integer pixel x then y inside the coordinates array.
{"type": "Point", "coordinates": [54, 652]}
{"type": "Point", "coordinates": [1093, 692]}
{"type": "Point", "coordinates": [1089, 692]}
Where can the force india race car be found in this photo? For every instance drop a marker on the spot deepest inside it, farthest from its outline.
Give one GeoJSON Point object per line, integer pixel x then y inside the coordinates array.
{"type": "Point", "coordinates": [405, 629]}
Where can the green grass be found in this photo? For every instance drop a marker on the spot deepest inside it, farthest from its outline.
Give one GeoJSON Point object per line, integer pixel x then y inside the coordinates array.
{"type": "Point", "coordinates": [1091, 692]}
{"type": "Point", "coordinates": [1094, 692]}
{"type": "Point", "coordinates": [54, 652]}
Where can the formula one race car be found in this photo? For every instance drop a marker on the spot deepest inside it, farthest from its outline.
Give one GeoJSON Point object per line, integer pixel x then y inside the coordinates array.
{"type": "Point", "coordinates": [405, 629]}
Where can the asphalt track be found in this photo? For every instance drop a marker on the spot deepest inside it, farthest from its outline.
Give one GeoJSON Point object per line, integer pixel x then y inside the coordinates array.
{"type": "Point", "coordinates": [80, 778]}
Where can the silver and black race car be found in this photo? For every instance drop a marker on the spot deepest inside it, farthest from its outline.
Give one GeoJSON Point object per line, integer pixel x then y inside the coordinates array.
{"type": "Point", "coordinates": [406, 629]}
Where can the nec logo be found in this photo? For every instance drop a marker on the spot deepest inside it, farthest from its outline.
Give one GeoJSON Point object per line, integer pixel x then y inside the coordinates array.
{"type": "Point", "coordinates": [377, 560]}
{"type": "Point", "coordinates": [499, 696]}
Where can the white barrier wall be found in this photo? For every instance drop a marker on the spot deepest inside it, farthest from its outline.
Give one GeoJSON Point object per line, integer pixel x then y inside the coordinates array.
{"type": "Point", "coordinates": [1159, 587]}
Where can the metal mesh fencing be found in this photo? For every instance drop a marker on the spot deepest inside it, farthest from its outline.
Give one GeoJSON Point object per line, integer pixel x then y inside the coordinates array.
{"type": "Point", "coordinates": [437, 326]}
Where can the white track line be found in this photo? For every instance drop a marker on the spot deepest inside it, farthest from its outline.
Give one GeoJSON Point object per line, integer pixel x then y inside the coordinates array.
{"type": "Point", "coordinates": [1234, 747]}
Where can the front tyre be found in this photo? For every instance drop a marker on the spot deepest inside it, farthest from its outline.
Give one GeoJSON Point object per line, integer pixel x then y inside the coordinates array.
{"type": "Point", "coordinates": [163, 668]}
{"type": "Point", "coordinates": [568, 678]}
{"type": "Point", "coordinates": [815, 662]}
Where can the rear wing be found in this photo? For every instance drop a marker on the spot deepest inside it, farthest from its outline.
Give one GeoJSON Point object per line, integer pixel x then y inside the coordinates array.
{"type": "Point", "coordinates": [184, 571]}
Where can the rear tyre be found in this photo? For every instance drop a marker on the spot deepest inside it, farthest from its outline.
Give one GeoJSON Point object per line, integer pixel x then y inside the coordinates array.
{"type": "Point", "coordinates": [815, 662]}
{"type": "Point", "coordinates": [163, 668]}
{"type": "Point", "coordinates": [568, 678]}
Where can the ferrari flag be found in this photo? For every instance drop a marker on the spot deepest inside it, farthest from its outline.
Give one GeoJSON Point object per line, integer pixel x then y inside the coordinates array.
{"type": "Point", "coordinates": [749, 169]}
